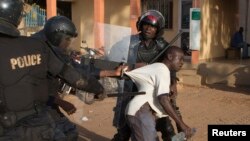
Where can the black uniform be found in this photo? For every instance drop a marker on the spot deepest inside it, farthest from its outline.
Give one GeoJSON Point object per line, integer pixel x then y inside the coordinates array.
{"type": "Point", "coordinates": [25, 64]}
{"type": "Point", "coordinates": [66, 129]}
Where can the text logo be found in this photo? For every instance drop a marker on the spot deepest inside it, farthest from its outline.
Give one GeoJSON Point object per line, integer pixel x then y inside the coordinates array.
{"type": "Point", "coordinates": [226, 132]}
{"type": "Point", "coordinates": [25, 61]}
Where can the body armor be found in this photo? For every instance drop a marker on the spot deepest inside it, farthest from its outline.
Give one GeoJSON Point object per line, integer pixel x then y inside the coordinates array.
{"type": "Point", "coordinates": [23, 74]}
{"type": "Point", "coordinates": [148, 53]}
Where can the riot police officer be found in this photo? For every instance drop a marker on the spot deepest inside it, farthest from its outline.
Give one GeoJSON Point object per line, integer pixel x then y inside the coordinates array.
{"type": "Point", "coordinates": [26, 62]}
{"type": "Point", "coordinates": [144, 47]}
{"type": "Point", "coordinates": [58, 33]}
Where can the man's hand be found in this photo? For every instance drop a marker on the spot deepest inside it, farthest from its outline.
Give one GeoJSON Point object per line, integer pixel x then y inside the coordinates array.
{"type": "Point", "coordinates": [119, 70]}
{"type": "Point", "coordinates": [188, 131]}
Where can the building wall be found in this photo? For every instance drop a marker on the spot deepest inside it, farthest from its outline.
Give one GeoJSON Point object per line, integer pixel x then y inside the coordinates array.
{"type": "Point", "coordinates": [170, 33]}
{"type": "Point", "coordinates": [83, 18]}
{"type": "Point", "coordinates": [218, 22]}
{"type": "Point", "coordinates": [115, 13]}
{"type": "Point", "coordinates": [244, 18]}
{"type": "Point", "coordinates": [247, 28]}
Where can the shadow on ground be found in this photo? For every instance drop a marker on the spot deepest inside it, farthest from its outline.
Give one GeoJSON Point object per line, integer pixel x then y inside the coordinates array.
{"type": "Point", "coordinates": [231, 78]}
{"type": "Point", "coordinates": [238, 89]}
{"type": "Point", "coordinates": [86, 135]}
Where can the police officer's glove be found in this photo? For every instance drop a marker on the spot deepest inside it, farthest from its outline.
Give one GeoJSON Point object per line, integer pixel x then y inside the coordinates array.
{"type": "Point", "coordinates": [91, 85]}
{"type": "Point", "coordinates": [65, 105]}
{"type": "Point", "coordinates": [68, 107]}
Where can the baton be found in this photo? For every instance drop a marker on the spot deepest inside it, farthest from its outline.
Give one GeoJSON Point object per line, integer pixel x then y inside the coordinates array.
{"type": "Point", "coordinates": [125, 94]}
{"type": "Point", "coordinates": [170, 44]}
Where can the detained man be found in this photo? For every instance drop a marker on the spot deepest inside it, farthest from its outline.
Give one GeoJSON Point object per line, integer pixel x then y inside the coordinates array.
{"type": "Point", "coordinates": [154, 79]}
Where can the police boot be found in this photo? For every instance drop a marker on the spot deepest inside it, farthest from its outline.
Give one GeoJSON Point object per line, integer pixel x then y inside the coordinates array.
{"type": "Point", "coordinates": [72, 137]}
{"type": "Point", "coordinates": [123, 134]}
{"type": "Point", "coordinates": [119, 137]}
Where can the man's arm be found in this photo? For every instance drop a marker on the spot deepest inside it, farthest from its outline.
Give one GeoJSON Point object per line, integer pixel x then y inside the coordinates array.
{"type": "Point", "coordinates": [165, 102]}
{"type": "Point", "coordinates": [114, 73]}
{"type": "Point", "coordinates": [80, 81]}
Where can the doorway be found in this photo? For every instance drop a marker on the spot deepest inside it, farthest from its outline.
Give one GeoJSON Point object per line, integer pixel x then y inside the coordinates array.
{"type": "Point", "coordinates": [185, 6]}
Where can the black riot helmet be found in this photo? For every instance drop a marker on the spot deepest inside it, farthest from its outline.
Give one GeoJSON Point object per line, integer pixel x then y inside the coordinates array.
{"type": "Point", "coordinates": [59, 28]}
{"type": "Point", "coordinates": [154, 18]}
{"type": "Point", "coordinates": [10, 16]}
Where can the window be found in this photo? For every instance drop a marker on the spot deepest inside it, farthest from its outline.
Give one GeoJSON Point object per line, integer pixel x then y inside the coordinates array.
{"type": "Point", "coordinates": [164, 6]}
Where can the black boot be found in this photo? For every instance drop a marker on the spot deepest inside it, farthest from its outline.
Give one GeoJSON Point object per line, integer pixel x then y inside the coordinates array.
{"type": "Point", "coordinates": [123, 134]}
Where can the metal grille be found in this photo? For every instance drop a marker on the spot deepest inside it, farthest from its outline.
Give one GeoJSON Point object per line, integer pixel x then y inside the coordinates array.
{"type": "Point", "coordinates": [164, 6]}
{"type": "Point", "coordinates": [35, 17]}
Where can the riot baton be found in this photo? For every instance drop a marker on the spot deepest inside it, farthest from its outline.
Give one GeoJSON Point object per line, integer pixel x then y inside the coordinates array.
{"type": "Point", "coordinates": [125, 94]}
{"type": "Point", "coordinates": [170, 44]}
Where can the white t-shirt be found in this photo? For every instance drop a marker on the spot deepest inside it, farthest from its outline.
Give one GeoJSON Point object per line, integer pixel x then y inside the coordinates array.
{"type": "Point", "coordinates": [153, 79]}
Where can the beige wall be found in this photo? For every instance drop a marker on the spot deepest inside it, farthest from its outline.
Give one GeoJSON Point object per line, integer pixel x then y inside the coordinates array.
{"type": "Point", "coordinates": [244, 18]}
{"type": "Point", "coordinates": [83, 18]}
{"type": "Point", "coordinates": [116, 13]}
{"type": "Point", "coordinates": [218, 22]}
{"type": "Point", "coordinates": [247, 28]}
{"type": "Point", "coordinates": [170, 33]}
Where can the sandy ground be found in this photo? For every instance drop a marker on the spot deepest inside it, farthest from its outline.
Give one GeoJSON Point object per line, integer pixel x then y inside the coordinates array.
{"type": "Point", "coordinates": [200, 106]}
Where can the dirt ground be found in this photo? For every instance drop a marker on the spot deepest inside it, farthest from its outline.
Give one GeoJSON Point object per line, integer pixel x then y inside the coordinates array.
{"type": "Point", "coordinates": [200, 106]}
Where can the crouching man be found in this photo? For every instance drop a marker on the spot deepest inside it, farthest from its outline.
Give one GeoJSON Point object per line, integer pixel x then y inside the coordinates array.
{"type": "Point", "coordinates": [154, 79]}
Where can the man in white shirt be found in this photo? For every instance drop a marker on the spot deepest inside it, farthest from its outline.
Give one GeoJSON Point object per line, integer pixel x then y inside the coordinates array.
{"type": "Point", "coordinates": [154, 79]}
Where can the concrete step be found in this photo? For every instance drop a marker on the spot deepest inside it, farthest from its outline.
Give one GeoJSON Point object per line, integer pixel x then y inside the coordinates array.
{"type": "Point", "coordinates": [215, 73]}
{"type": "Point", "coordinates": [189, 77]}
{"type": "Point", "coordinates": [229, 74]}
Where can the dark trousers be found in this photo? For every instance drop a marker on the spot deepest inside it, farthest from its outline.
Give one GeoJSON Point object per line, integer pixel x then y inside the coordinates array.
{"type": "Point", "coordinates": [244, 47]}
{"type": "Point", "coordinates": [142, 125]}
{"type": "Point", "coordinates": [163, 125]}
{"type": "Point", "coordinates": [37, 127]}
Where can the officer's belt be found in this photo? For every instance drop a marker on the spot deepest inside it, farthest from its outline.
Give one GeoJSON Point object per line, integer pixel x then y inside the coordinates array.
{"type": "Point", "coordinates": [10, 119]}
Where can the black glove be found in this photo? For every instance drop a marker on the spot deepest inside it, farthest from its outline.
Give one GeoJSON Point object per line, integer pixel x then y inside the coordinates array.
{"type": "Point", "coordinates": [92, 85]}
{"type": "Point", "coordinates": [67, 107]}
